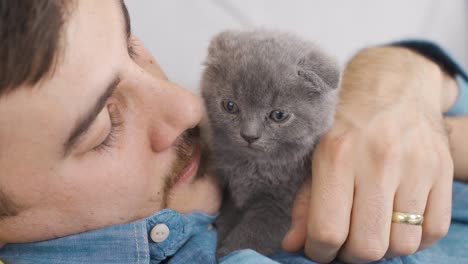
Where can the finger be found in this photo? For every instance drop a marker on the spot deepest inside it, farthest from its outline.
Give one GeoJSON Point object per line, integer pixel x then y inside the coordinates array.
{"type": "Point", "coordinates": [410, 198]}
{"type": "Point", "coordinates": [369, 235]}
{"type": "Point", "coordinates": [296, 236]}
{"type": "Point", "coordinates": [439, 204]}
{"type": "Point", "coordinates": [331, 198]}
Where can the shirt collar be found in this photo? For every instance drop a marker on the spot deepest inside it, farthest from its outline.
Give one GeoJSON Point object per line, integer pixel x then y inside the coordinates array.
{"type": "Point", "coordinates": [154, 239]}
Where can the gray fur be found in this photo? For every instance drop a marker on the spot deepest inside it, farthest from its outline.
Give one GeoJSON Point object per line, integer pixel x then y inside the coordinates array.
{"type": "Point", "coordinates": [262, 71]}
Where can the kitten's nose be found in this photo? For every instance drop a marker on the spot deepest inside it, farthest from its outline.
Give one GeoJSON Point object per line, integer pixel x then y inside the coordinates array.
{"type": "Point", "coordinates": [250, 138]}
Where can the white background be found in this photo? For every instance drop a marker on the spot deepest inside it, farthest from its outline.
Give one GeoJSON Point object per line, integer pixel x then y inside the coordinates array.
{"type": "Point", "coordinates": [177, 32]}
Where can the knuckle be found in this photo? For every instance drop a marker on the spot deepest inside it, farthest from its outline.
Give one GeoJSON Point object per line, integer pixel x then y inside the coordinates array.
{"type": "Point", "coordinates": [370, 253]}
{"type": "Point", "coordinates": [314, 253]}
{"type": "Point", "coordinates": [404, 250]}
{"type": "Point", "coordinates": [368, 250]}
{"type": "Point", "coordinates": [449, 168]}
{"type": "Point", "coordinates": [404, 247]}
{"type": "Point", "coordinates": [437, 164]}
{"type": "Point", "coordinates": [445, 161]}
{"type": "Point", "coordinates": [436, 232]}
{"type": "Point", "coordinates": [335, 142]}
{"type": "Point", "coordinates": [335, 146]}
{"type": "Point", "coordinates": [419, 156]}
{"type": "Point", "coordinates": [437, 160]}
{"type": "Point", "coordinates": [329, 238]}
{"type": "Point", "coordinates": [383, 151]}
{"type": "Point", "coordinates": [431, 161]}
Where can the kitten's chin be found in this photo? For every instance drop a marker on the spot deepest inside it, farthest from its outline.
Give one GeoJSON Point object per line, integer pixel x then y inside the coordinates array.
{"type": "Point", "coordinates": [254, 149]}
{"type": "Point", "coordinates": [255, 152]}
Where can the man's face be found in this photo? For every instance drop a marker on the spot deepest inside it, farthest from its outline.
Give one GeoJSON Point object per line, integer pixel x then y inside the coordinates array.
{"type": "Point", "coordinates": [102, 142]}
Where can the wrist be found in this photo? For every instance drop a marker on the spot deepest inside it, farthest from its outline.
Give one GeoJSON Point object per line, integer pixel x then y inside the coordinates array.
{"type": "Point", "coordinates": [392, 79]}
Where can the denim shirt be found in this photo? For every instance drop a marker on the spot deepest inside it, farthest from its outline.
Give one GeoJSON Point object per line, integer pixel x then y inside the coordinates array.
{"type": "Point", "coordinates": [171, 237]}
{"type": "Point", "coordinates": [175, 238]}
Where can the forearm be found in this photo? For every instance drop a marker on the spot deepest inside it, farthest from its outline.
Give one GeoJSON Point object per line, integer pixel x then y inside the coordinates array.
{"type": "Point", "coordinates": [384, 79]}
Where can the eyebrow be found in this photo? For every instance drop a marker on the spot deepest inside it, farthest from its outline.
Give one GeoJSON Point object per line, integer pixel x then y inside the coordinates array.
{"type": "Point", "coordinates": [83, 125]}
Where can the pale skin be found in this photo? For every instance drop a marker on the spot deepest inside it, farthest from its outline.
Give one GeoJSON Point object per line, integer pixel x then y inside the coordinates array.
{"type": "Point", "coordinates": [388, 151]}
{"type": "Point", "coordinates": [88, 189]}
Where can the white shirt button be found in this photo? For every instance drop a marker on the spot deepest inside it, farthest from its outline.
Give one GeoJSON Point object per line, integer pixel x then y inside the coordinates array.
{"type": "Point", "coordinates": [159, 233]}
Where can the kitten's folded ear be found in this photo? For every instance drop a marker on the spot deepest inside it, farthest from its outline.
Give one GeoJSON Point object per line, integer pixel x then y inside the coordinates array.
{"type": "Point", "coordinates": [221, 44]}
{"type": "Point", "coordinates": [320, 71]}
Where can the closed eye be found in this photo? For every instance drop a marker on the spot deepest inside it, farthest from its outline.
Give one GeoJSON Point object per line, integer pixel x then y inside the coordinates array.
{"type": "Point", "coordinates": [116, 126]}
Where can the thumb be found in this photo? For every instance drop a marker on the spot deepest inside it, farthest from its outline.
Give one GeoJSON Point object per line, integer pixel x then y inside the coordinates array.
{"type": "Point", "coordinates": [296, 236]}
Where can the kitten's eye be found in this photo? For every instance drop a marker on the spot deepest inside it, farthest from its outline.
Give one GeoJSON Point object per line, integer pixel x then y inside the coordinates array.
{"type": "Point", "coordinates": [278, 116]}
{"type": "Point", "coordinates": [230, 107]}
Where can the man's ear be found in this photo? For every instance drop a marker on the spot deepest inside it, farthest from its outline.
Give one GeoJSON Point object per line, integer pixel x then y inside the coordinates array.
{"type": "Point", "coordinates": [320, 71]}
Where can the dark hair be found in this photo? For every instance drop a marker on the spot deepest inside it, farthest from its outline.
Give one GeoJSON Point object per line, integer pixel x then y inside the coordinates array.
{"type": "Point", "coordinates": [30, 40]}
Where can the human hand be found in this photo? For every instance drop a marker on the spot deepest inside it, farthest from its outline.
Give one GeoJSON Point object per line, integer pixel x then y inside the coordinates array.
{"type": "Point", "coordinates": [388, 151]}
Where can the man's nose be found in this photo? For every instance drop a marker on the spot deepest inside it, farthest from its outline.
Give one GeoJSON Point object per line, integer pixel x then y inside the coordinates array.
{"type": "Point", "coordinates": [173, 110]}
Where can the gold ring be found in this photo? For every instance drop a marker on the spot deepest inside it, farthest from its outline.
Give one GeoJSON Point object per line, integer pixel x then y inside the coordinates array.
{"type": "Point", "coordinates": [405, 218]}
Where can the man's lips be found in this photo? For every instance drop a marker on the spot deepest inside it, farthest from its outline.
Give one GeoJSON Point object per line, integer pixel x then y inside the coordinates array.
{"type": "Point", "coordinates": [192, 167]}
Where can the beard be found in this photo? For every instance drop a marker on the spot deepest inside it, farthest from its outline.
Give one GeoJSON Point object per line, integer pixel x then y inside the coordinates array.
{"type": "Point", "coordinates": [185, 147]}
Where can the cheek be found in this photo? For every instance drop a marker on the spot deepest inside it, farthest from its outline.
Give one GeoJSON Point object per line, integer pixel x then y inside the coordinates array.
{"type": "Point", "coordinates": [271, 135]}
{"type": "Point", "coordinates": [226, 126]}
{"type": "Point", "coordinates": [280, 136]}
{"type": "Point", "coordinates": [127, 184]}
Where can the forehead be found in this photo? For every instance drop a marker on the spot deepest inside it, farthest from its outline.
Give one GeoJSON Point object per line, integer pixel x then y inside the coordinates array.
{"type": "Point", "coordinates": [94, 51]}
{"type": "Point", "coordinates": [94, 42]}
{"type": "Point", "coordinates": [94, 33]}
{"type": "Point", "coordinates": [259, 81]}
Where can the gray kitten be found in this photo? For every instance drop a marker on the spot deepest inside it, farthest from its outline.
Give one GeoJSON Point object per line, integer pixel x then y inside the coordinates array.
{"type": "Point", "coordinates": [269, 97]}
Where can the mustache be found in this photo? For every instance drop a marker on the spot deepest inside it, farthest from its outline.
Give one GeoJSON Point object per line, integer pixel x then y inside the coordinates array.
{"type": "Point", "coordinates": [188, 139]}
{"type": "Point", "coordinates": [184, 149]}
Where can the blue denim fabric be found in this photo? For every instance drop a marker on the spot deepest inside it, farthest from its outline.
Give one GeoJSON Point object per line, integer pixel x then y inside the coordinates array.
{"type": "Point", "coordinates": [192, 239]}
{"type": "Point", "coordinates": [191, 236]}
